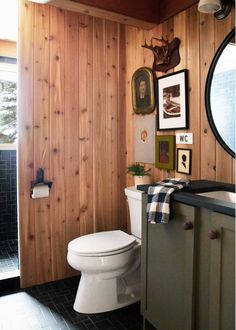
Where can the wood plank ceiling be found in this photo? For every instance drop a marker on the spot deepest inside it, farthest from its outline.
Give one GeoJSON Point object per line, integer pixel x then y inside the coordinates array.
{"type": "Point", "coordinates": [155, 11]}
{"type": "Point", "coordinates": [145, 15]}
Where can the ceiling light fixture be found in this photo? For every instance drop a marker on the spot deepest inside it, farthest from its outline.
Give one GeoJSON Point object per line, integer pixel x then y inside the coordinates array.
{"type": "Point", "coordinates": [220, 8]}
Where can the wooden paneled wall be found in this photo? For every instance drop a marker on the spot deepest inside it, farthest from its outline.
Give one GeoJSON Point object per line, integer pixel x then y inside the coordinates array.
{"type": "Point", "coordinates": [200, 35]}
{"type": "Point", "coordinates": [76, 121]}
{"type": "Point", "coordinates": [71, 123]}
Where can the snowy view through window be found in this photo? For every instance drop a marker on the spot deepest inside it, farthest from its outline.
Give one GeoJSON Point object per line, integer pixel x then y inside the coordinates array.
{"type": "Point", "coordinates": [8, 71]}
{"type": "Point", "coordinates": [8, 111]}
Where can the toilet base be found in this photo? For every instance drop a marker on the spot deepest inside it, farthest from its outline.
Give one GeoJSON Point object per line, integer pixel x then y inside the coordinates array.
{"type": "Point", "coordinates": [98, 295]}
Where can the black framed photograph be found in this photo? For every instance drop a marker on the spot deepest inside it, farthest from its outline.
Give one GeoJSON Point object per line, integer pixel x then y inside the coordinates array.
{"type": "Point", "coordinates": [143, 91]}
{"type": "Point", "coordinates": [184, 160]}
{"type": "Point", "coordinates": [165, 152]}
{"type": "Point", "coordinates": [172, 101]}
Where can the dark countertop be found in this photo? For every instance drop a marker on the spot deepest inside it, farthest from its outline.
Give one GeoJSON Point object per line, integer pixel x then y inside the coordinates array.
{"type": "Point", "coordinates": [188, 195]}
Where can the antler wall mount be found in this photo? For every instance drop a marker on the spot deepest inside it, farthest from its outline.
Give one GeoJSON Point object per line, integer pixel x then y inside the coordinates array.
{"type": "Point", "coordinates": [166, 56]}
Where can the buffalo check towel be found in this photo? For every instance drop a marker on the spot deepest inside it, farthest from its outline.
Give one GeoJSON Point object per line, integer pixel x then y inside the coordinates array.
{"type": "Point", "coordinates": [158, 206]}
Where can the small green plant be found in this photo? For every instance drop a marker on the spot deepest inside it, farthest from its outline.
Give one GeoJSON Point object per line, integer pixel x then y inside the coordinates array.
{"type": "Point", "coordinates": [137, 170]}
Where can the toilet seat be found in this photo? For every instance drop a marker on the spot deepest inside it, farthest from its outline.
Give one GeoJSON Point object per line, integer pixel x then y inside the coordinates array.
{"type": "Point", "coordinates": [102, 244]}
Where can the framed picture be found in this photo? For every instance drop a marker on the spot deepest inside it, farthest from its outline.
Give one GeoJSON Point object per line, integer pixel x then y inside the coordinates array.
{"type": "Point", "coordinates": [143, 91]}
{"type": "Point", "coordinates": [165, 152]}
{"type": "Point", "coordinates": [144, 138]}
{"type": "Point", "coordinates": [184, 160]}
{"type": "Point", "coordinates": [172, 101]}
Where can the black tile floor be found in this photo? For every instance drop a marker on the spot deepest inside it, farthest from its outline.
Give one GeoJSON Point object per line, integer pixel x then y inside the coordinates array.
{"type": "Point", "coordinates": [8, 257]}
{"type": "Point", "coordinates": [50, 307]}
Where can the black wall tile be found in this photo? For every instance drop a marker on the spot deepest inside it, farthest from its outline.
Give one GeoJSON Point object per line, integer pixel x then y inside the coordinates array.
{"type": "Point", "coordinates": [8, 195]}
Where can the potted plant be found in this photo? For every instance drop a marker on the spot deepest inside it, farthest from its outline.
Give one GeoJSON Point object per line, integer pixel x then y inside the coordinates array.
{"type": "Point", "coordinates": [141, 176]}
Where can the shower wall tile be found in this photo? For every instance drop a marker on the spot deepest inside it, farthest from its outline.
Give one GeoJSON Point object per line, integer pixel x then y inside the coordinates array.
{"type": "Point", "coordinates": [8, 195]}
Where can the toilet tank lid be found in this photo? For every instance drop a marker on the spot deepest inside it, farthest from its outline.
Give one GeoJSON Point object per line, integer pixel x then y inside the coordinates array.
{"type": "Point", "coordinates": [102, 242]}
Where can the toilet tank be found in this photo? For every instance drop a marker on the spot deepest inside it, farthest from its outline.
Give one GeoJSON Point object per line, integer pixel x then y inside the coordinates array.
{"type": "Point", "coordinates": [137, 201]}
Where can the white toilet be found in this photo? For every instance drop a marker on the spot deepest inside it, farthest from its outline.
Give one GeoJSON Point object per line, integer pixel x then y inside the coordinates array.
{"type": "Point", "coordinates": [109, 263]}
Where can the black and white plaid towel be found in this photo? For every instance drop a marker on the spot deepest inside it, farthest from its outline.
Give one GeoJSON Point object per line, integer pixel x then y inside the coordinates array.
{"type": "Point", "coordinates": [158, 206]}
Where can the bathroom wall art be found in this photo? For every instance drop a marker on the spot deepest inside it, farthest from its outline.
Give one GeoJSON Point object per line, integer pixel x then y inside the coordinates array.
{"type": "Point", "coordinates": [184, 160]}
{"type": "Point", "coordinates": [165, 152]}
{"type": "Point", "coordinates": [166, 54]}
{"type": "Point", "coordinates": [143, 91]}
{"type": "Point", "coordinates": [144, 137]}
{"type": "Point", "coordinates": [172, 101]}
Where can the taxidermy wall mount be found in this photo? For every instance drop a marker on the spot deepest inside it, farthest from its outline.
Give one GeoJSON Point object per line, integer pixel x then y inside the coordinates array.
{"type": "Point", "coordinates": [166, 56]}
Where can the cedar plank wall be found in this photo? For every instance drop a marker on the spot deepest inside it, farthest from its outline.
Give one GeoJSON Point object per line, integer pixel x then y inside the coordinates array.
{"type": "Point", "coordinates": [71, 122]}
{"type": "Point", "coordinates": [76, 120]}
{"type": "Point", "coordinates": [200, 36]}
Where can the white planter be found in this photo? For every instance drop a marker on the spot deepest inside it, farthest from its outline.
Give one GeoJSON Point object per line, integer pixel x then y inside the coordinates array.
{"type": "Point", "coordinates": [138, 180]}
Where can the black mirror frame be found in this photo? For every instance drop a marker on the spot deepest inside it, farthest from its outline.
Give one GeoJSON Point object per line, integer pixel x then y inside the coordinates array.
{"type": "Point", "coordinates": [208, 90]}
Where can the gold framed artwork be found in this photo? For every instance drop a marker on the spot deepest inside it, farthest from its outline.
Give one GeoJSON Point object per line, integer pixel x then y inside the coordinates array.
{"type": "Point", "coordinates": [165, 152]}
{"type": "Point", "coordinates": [184, 160]}
{"type": "Point", "coordinates": [143, 91]}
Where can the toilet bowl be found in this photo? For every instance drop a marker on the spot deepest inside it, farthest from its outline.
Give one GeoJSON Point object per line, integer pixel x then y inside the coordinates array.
{"type": "Point", "coordinates": [109, 263]}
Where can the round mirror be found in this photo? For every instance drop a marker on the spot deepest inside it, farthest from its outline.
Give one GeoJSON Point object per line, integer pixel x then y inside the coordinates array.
{"type": "Point", "coordinates": [220, 94]}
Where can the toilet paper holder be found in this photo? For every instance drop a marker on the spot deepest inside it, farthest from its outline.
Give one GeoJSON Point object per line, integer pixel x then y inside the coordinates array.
{"type": "Point", "coordinates": [40, 181]}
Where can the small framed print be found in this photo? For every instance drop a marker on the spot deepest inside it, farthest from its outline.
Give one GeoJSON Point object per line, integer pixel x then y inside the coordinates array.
{"type": "Point", "coordinates": [165, 152]}
{"type": "Point", "coordinates": [172, 101]}
{"type": "Point", "coordinates": [144, 138]}
{"type": "Point", "coordinates": [184, 160]}
{"type": "Point", "coordinates": [143, 91]}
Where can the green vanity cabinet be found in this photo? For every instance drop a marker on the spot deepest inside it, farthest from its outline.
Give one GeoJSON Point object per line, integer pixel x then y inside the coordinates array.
{"type": "Point", "coordinates": [188, 271]}
{"type": "Point", "coordinates": [168, 252]}
{"type": "Point", "coordinates": [215, 280]}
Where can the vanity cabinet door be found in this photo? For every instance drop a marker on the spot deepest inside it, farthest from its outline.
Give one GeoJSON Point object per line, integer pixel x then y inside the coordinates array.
{"type": "Point", "coordinates": [215, 275]}
{"type": "Point", "coordinates": [222, 272]}
{"type": "Point", "coordinates": [167, 271]}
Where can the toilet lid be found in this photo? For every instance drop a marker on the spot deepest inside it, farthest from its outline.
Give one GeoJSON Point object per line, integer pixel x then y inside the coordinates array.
{"type": "Point", "coordinates": [101, 243]}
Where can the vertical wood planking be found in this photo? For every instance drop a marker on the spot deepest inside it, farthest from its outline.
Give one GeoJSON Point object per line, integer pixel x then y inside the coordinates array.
{"type": "Point", "coordinates": [180, 31]}
{"type": "Point", "coordinates": [122, 128]}
{"type": "Point", "coordinates": [130, 38]}
{"type": "Point", "coordinates": [208, 143]}
{"type": "Point", "coordinates": [26, 144]}
{"type": "Point", "coordinates": [112, 67]}
{"type": "Point", "coordinates": [71, 115]}
{"type": "Point", "coordinates": [130, 68]}
{"type": "Point", "coordinates": [148, 62]}
{"type": "Point", "coordinates": [224, 170]}
{"type": "Point", "coordinates": [41, 140]}
{"type": "Point", "coordinates": [193, 65]}
{"type": "Point", "coordinates": [86, 124]}
{"type": "Point", "coordinates": [57, 141]}
{"type": "Point", "coordinates": [100, 126]}
{"type": "Point", "coordinates": [157, 174]}
{"type": "Point", "coordinates": [72, 159]}
{"type": "Point", "coordinates": [170, 33]}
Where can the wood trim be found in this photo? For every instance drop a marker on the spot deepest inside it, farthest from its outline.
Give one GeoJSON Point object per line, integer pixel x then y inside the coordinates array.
{"type": "Point", "coordinates": [100, 13]}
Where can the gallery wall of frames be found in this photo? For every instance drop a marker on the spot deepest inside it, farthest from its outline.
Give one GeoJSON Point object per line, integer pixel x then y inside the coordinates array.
{"type": "Point", "coordinates": [200, 36]}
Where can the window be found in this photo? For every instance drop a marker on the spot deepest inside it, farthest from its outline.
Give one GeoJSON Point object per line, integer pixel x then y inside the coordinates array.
{"type": "Point", "coordinates": [8, 100]}
{"type": "Point", "coordinates": [8, 71]}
